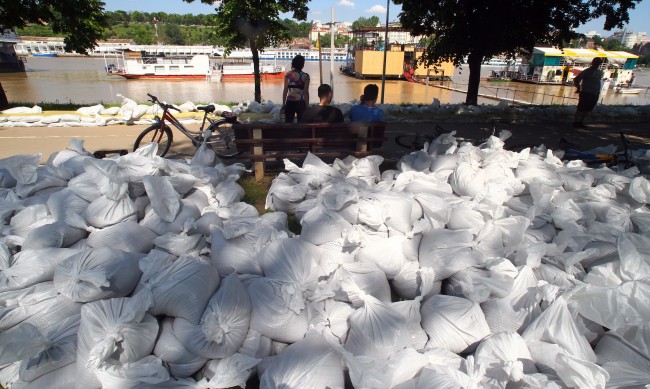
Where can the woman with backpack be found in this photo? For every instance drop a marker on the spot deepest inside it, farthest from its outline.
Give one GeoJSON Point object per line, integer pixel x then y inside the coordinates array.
{"type": "Point", "coordinates": [295, 96]}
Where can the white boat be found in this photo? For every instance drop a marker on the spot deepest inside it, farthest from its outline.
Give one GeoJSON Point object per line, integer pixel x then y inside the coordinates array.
{"type": "Point", "coordinates": [245, 70]}
{"type": "Point", "coordinates": [628, 91]}
{"type": "Point", "coordinates": [138, 66]}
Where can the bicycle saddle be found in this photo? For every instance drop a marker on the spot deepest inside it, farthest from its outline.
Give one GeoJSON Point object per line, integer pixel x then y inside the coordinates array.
{"type": "Point", "coordinates": [209, 108]}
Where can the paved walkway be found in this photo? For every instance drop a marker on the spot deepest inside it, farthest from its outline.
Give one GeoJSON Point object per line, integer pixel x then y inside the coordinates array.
{"type": "Point", "coordinates": [47, 140]}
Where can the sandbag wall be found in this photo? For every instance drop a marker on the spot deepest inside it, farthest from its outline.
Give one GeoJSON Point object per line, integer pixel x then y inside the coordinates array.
{"type": "Point", "coordinates": [465, 267]}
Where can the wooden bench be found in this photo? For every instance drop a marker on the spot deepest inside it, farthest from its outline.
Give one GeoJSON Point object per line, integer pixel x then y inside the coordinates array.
{"type": "Point", "coordinates": [263, 141]}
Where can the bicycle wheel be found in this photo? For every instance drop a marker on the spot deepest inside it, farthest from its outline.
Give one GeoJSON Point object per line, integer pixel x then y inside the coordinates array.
{"type": "Point", "coordinates": [412, 140]}
{"type": "Point", "coordinates": [222, 140]}
{"type": "Point", "coordinates": [154, 133]}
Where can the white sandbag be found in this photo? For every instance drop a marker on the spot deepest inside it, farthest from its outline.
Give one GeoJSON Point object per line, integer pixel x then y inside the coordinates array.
{"type": "Point", "coordinates": [113, 331]}
{"type": "Point", "coordinates": [199, 198]}
{"type": "Point", "coordinates": [203, 224]}
{"type": "Point", "coordinates": [233, 255]}
{"type": "Point", "coordinates": [556, 325]}
{"type": "Point", "coordinates": [278, 310]}
{"type": "Point", "coordinates": [49, 178]}
{"type": "Point", "coordinates": [516, 310]}
{"type": "Point", "coordinates": [410, 309]}
{"type": "Point", "coordinates": [34, 109]}
{"type": "Point", "coordinates": [285, 194]}
{"type": "Point", "coordinates": [387, 254]}
{"type": "Point", "coordinates": [256, 345]}
{"type": "Point", "coordinates": [623, 375]}
{"type": "Point", "coordinates": [104, 212]}
{"type": "Point", "coordinates": [330, 316]}
{"type": "Point", "coordinates": [179, 244]}
{"type": "Point", "coordinates": [85, 186]}
{"type": "Point", "coordinates": [412, 281]}
{"type": "Point", "coordinates": [453, 323]}
{"type": "Point", "coordinates": [20, 304]}
{"type": "Point", "coordinates": [127, 236]}
{"type": "Point", "coordinates": [120, 376]}
{"type": "Point", "coordinates": [469, 375]}
{"type": "Point", "coordinates": [30, 267]}
{"type": "Point", "coordinates": [66, 203]}
{"type": "Point", "coordinates": [29, 218]}
{"type": "Point", "coordinates": [348, 277]}
{"type": "Point", "coordinates": [56, 235]}
{"type": "Point", "coordinates": [505, 357]}
{"type": "Point", "coordinates": [97, 274]}
{"type": "Point", "coordinates": [165, 201]}
{"type": "Point", "coordinates": [229, 192]}
{"type": "Point", "coordinates": [447, 252]}
{"type": "Point", "coordinates": [613, 348]}
{"type": "Point", "coordinates": [204, 155]}
{"type": "Point", "coordinates": [402, 366]}
{"type": "Point", "coordinates": [229, 372]}
{"type": "Point", "coordinates": [186, 279]}
{"type": "Point", "coordinates": [62, 378]}
{"type": "Point", "coordinates": [467, 179]}
{"type": "Point", "coordinates": [224, 324]}
{"type": "Point", "coordinates": [180, 361]}
{"type": "Point", "coordinates": [321, 225]}
{"type": "Point", "coordinates": [377, 330]}
{"type": "Point", "coordinates": [23, 168]}
{"type": "Point", "coordinates": [292, 261]}
{"type": "Point", "coordinates": [40, 352]}
{"type": "Point", "coordinates": [479, 284]}
{"type": "Point", "coordinates": [308, 363]}
{"type": "Point", "coordinates": [188, 211]}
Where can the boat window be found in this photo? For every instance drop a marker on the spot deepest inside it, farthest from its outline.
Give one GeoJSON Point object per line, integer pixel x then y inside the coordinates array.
{"type": "Point", "coordinates": [174, 69]}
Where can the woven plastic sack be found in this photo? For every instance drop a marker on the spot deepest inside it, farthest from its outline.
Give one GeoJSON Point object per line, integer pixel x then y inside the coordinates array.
{"type": "Point", "coordinates": [188, 212]}
{"type": "Point", "coordinates": [233, 255]}
{"type": "Point", "coordinates": [453, 323]}
{"type": "Point", "coordinates": [127, 236]}
{"type": "Point", "coordinates": [113, 332]}
{"type": "Point", "coordinates": [376, 329]}
{"type": "Point", "coordinates": [412, 281]}
{"type": "Point", "coordinates": [349, 277]}
{"type": "Point", "coordinates": [292, 261]}
{"type": "Point", "coordinates": [224, 324]}
{"type": "Point", "coordinates": [321, 225]}
{"type": "Point", "coordinates": [30, 267]}
{"type": "Point", "coordinates": [182, 289]}
{"type": "Point", "coordinates": [56, 235]}
{"type": "Point", "coordinates": [148, 369]}
{"type": "Point", "coordinates": [399, 368]}
{"type": "Point", "coordinates": [229, 372]}
{"type": "Point", "coordinates": [278, 310]}
{"type": "Point", "coordinates": [180, 361]}
{"type": "Point", "coordinates": [505, 356]}
{"type": "Point", "coordinates": [165, 201]}
{"type": "Point", "coordinates": [410, 309]}
{"type": "Point", "coordinates": [310, 363]}
{"type": "Point", "coordinates": [448, 252]}
{"type": "Point", "coordinates": [20, 304]}
{"type": "Point", "coordinates": [62, 378]}
{"type": "Point", "coordinates": [97, 274]}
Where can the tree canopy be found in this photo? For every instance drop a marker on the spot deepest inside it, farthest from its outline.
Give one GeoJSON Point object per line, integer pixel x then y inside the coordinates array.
{"type": "Point", "coordinates": [81, 21]}
{"type": "Point", "coordinates": [256, 24]}
{"type": "Point", "coordinates": [480, 30]}
{"type": "Point", "coordinates": [372, 21]}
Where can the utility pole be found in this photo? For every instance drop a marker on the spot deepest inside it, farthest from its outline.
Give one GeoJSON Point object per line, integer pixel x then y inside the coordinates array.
{"type": "Point", "coordinates": [383, 73]}
{"type": "Point", "coordinates": [332, 51]}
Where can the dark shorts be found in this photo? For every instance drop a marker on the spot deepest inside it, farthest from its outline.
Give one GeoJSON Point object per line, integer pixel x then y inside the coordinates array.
{"type": "Point", "coordinates": [587, 102]}
{"type": "Point", "coordinates": [294, 109]}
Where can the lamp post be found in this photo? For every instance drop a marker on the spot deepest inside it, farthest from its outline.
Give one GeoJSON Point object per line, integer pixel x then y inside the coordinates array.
{"type": "Point", "coordinates": [383, 73]}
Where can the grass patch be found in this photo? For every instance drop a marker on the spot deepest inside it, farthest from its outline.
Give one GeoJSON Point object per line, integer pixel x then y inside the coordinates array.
{"type": "Point", "coordinates": [256, 192]}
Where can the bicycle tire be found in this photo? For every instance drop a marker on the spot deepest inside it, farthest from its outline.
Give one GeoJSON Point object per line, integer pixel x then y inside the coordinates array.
{"type": "Point", "coordinates": [155, 134]}
{"type": "Point", "coordinates": [222, 139]}
{"type": "Point", "coordinates": [412, 140]}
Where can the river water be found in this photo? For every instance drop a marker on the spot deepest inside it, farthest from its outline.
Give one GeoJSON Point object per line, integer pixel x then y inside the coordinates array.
{"type": "Point", "coordinates": [83, 81]}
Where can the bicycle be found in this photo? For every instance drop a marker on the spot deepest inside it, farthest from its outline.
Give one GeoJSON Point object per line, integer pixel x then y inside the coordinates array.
{"type": "Point", "coordinates": [221, 130]}
{"type": "Point", "coordinates": [616, 159]}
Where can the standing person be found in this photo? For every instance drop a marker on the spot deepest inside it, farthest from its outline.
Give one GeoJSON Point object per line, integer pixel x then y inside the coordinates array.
{"type": "Point", "coordinates": [323, 112]}
{"type": "Point", "coordinates": [366, 111]}
{"type": "Point", "coordinates": [588, 85]}
{"type": "Point", "coordinates": [630, 81]}
{"type": "Point", "coordinates": [295, 96]}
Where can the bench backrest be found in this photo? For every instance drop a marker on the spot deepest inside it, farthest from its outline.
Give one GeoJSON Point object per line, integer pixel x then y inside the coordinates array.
{"type": "Point", "coordinates": [313, 136]}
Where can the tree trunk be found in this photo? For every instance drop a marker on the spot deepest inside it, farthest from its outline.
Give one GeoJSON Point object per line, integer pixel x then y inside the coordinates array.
{"type": "Point", "coordinates": [474, 61]}
{"type": "Point", "coordinates": [3, 98]}
{"type": "Point", "coordinates": [256, 70]}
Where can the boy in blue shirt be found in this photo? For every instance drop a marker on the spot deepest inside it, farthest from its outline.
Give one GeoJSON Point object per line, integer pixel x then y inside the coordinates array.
{"type": "Point", "coordinates": [366, 111]}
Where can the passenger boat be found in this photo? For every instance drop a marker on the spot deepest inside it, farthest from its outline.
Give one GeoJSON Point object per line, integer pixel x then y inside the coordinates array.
{"type": "Point", "coordinates": [628, 91]}
{"type": "Point", "coordinates": [44, 54]}
{"type": "Point", "coordinates": [136, 65]}
{"type": "Point", "coordinates": [227, 71]}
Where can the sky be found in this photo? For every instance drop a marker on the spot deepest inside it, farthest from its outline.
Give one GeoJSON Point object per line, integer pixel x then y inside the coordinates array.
{"type": "Point", "coordinates": [351, 10]}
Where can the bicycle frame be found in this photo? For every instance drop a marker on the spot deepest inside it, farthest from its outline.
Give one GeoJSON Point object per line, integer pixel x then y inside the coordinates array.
{"type": "Point", "coordinates": [195, 137]}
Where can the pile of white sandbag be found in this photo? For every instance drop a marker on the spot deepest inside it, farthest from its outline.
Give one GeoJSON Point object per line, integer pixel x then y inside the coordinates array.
{"type": "Point", "coordinates": [465, 267]}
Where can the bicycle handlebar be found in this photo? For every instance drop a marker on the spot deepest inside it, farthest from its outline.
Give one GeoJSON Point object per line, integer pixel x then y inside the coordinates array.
{"type": "Point", "coordinates": [155, 100]}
